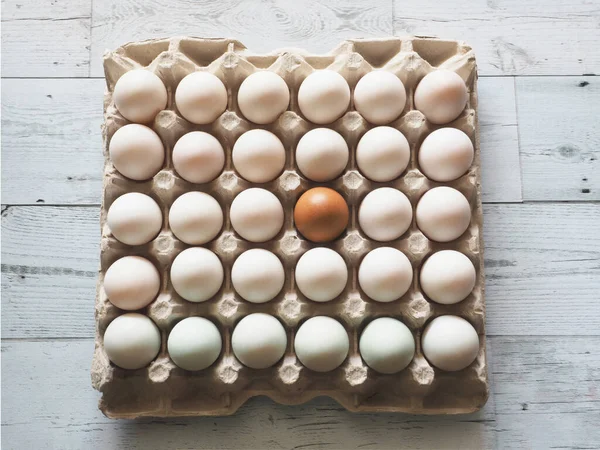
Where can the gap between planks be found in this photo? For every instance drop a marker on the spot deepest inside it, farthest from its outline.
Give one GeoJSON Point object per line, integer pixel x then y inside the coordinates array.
{"type": "Point", "coordinates": [479, 76]}
{"type": "Point", "coordinates": [524, 202]}
{"type": "Point", "coordinates": [487, 336]}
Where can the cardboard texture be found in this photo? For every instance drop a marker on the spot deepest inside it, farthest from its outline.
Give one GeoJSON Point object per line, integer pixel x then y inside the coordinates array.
{"type": "Point", "coordinates": [163, 389]}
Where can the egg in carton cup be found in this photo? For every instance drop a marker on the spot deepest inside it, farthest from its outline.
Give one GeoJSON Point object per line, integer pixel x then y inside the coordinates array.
{"type": "Point", "coordinates": [164, 389]}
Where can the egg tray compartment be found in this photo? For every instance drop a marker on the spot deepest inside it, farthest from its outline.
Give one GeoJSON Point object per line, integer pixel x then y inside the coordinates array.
{"type": "Point", "coordinates": [163, 389]}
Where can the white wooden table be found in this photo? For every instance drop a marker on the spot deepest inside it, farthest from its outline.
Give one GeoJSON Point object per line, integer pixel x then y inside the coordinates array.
{"type": "Point", "coordinates": [540, 139]}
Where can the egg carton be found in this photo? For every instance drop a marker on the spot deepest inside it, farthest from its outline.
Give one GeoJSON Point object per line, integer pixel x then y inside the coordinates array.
{"type": "Point", "coordinates": [163, 389]}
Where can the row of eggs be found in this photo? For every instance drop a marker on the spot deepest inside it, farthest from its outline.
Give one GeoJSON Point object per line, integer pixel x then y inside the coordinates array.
{"type": "Point", "coordinates": [321, 344]}
{"type": "Point", "coordinates": [323, 97]}
{"type": "Point", "coordinates": [322, 154]}
{"type": "Point", "coordinates": [321, 214]}
{"type": "Point", "coordinates": [385, 274]}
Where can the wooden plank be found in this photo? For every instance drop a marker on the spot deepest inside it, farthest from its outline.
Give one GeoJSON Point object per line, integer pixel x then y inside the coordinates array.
{"type": "Point", "coordinates": [544, 394]}
{"type": "Point", "coordinates": [56, 157]}
{"type": "Point", "coordinates": [542, 271]}
{"type": "Point", "coordinates": [51, 141]}
{"type": "Point", "coordinates": [512, 37]}
{"type": "Point", "coordinates": [58, 406]}
{"type": "Point", "coordinates": [315, 25]}
{"type": "Point", "coordinates": [50, 260]}
{"type": "Point", "coordinates": [46, 38]}
{"type": "Point", "coordinates": [560, 140]}
{"type": "Point", "coordinates": [499, 141]}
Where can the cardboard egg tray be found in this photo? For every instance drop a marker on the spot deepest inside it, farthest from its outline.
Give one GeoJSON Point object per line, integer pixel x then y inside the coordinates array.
{"type": "Point", "coordinates": [163, 389]}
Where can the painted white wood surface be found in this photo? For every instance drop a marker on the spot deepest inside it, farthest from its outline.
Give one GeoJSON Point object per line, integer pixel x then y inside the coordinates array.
{"type": "Point", "coordinates": [46, 38]}
{"type": "Point", "coordinates": [262, 26]}
{"type": "Point", "coordinates": [512, 37]}
{"type": "Point", "coordinates": [544, 396]}
{"type": "Point", "coordinates": [51, 136]}
{"type": "Point", "coordinates": [63, 154]}
{"type": "Point", "coordinates": [559, 128]}
{"type": "Point", "coordinates": [499, 140]}
{"type": "Point", "coordinates": [542, 256]}
{"type": "Point", "coordinates": [536, 270]}
{"type": "Point", "coordinates": [51, 141]}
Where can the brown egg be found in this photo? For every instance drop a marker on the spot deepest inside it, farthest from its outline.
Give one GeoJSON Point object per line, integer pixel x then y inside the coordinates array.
{"type": "Point", "coordinates": [321, 214]}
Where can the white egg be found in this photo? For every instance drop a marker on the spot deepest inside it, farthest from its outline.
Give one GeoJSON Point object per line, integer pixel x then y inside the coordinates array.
{"type": "Point", "coordinates": [132, 341]}
{"type": "Point", "coordinates": [256, 215]}
{"type": "Point", "coordinates": [201, 97]}
{"type": "Point", "coordinates": [443, 214]}
{"type": "Point", "coordinates": [321, 274]}
{"type": "Point", "coordinates": [387, 345]}
{"type": "Point", "coordinates": [131, 283]}
{"type": "Point", "coordinates": [134, 218]}
{"type": "Point", "coordinates": [447, 277]}
{"type": "Point", "coordinates": [450, 343]}
{"type": "Point", "coordinates": [136, 151]}
{"type": "Point", "coordinates": [197, 274]}
{"type": "Point", "coordinates": [194, 343]}
{"type": "Point", "coordinates": [321, 344]}
{"type": "Point", "coordinates": [263, 96]}
{"type": "Point", "coordinates": [258, 156]}
{"type": "Point", "coordinates": [385, 274]}
{"type": "Point", "coordinates": [198, 157]}
{"type": "Point", "coordinates": [382, 154]}
{"type": "Point", "coordinates": [441, 96]}
{"type": "Point", "coordinates": [380, 97]}
{"type": "Point", "coordinates": [322, 154]}
{"type": "Point", "coordinates": [140, 95]}
{"type": "Point", "coordinates": [195, 218]}
{"type": "Point", "coordinates": [257, 275]}
{"type": "Point", "coordinates": [385, 214]}
{"type": "Point", "coordinates": [446, 154]}
{"type": "Point", "coordinates": [324, 96]}
{"type": "Point", "coordinates": [259, 341]}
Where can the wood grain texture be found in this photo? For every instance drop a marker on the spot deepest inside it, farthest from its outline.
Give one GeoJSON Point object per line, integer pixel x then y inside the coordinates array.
{"type": "Point", "coordinates": [540, 279]}
{"type": "Point", "coordinates": [499, 141]}
{"type": "Point", "coordinates": [544, 394]}
{"type": "Point", "coordinates": [315, 25]}
{"type": "Point", "coordinates": [57, 157]}
{"type": "Point", "coordinates": [50, 260]}
{"type": "Point", "coordinates": [46, 38]}
{"type": "Point", "coordinates": [560, 137]}
{"type": "Point", "coordinates": [512, 37]}
{"type": "Point", "coordinates": [542, 264]}
{"type": "Point", "coordinates": [51, 141]}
